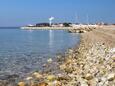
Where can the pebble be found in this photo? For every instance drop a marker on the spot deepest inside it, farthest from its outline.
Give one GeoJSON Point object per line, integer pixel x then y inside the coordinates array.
{"type": "Point", "coordinates": [29, 78]}
{"type": "Point", "coordinates": [111, 77]}
{"type": "Point", "coordinates": [49, 60]}
{"type": "Point", "coordinates": [21, 84]}
{"type": "Point", "coordinates": [43, 84]}
{"type": "Point", "coordinates": [63, 67]}
{"type": "Point", "coordinates": [88, 76]}
{"type": "Point", "coordinates": [57, 83]}
{"type": "Point", "coordinates": [51, 77]}
{"type": "Point", "coordinates": [37, 75]}
{"type": "Point", "coordinates": [113, 58]}
{"type": "Point", "coordinates": [112, 50]}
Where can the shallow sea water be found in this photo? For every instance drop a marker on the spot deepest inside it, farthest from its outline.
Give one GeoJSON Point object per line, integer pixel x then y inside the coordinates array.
{"type": "Point", "coordinates": [23, 51]}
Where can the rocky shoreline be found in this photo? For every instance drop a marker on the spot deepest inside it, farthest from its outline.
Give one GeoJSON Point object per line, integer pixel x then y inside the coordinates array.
{"type": "Point", "coordinates": [90, 64]}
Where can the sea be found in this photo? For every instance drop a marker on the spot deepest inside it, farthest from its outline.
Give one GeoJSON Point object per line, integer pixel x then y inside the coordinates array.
{"type": "Point", "coordinates": [24, 51]}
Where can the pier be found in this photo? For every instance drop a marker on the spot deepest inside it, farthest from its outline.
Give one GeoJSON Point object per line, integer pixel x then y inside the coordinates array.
{"type": "Point", "coordinates": [73, 29]}
{"type": "Point", "coordinates": [47, 28]}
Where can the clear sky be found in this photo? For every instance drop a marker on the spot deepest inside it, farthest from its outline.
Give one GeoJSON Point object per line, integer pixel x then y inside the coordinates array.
{"type": "Point", "coordinates": [22, 12]}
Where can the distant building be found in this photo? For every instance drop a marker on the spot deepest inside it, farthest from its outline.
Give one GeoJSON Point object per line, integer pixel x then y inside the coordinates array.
{"type": "Point", "coordinates": [53, 25]}
{"type": "Point", "coordinates": [30, 25]}
{"type": "Point", "coordinates": [67, 24]}
{"type": "Point", "coordinates": [42, 25]}
{"type": "Point", "coordinates": [100, 23]}
{"type": "Point", "coordinates": [57, 25]}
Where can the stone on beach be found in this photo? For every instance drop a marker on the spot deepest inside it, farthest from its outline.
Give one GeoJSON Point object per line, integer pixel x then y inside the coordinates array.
{"type": "Point", "coordinates": [29, 78]}
{"type": "Point", "coordinates": [51, 77]}
{"type": "Point", "coordinates": [88, 76]}
{"type": "Point", "coordinates": [54, 83]}
{"type": "Point", "coordinates": [43, 84]}
{"type": "Point", "coordinates": [21, 84]}
{"type": "Point", "coordinates": [113, 58]}
{"type": "Point", "coordinates": [37, 75]}
{"type": "Point", "coordinates": [112, 50]}
{"type": "Point", "coordinates": [49, 60]}
{"type": "Point", "coordinates": [111, 77]}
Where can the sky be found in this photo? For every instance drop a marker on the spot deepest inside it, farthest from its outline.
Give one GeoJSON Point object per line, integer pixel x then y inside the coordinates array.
{"type": "Point", "coordinates": [23, 12]}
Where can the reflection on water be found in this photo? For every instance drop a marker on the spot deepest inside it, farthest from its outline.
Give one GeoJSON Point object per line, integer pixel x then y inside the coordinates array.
{"type": "Point", "coordinates": [23, 51]}
{"type": "Point", "coordinates": [51, 38]}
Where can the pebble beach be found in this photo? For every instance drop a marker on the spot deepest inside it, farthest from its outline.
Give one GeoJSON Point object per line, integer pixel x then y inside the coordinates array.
{"type": "Point", "coordinates": [92, 63]}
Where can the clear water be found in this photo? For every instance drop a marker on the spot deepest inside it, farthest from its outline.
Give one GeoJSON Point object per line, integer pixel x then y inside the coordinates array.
{"type": "Point", "coordinates": [23, 51]}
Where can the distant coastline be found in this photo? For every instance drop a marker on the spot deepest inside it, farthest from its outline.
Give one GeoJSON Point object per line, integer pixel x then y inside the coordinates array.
{"type": "Point", "coordinates": [46, 28]}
